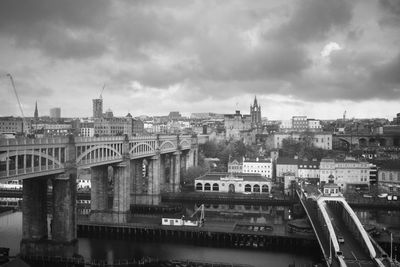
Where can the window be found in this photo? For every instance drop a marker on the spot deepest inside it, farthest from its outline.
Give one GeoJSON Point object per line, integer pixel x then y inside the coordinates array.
{"type": "Point", "coordinates": [247, 188]}
{"type": "Point", "coordinates": [215, 187]}
{"type": "Point", "coordinates": [383, 176]}
{"type": "Point", "coordinates": [256, 188]}
{"type": "Point", "coordinates": [199, 187]}
{"type": "Point", "coordinates": [207, 187]}
{"type": "Point", "coordinates": [265, 188]}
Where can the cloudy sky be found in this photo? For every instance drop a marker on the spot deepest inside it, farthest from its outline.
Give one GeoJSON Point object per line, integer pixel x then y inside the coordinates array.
{"type": "Point", "coordinates": [310, 57]}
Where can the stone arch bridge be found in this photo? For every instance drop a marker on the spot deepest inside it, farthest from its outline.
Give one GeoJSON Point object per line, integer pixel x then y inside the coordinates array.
{"type": "Point", "coordinates": [142, 167]}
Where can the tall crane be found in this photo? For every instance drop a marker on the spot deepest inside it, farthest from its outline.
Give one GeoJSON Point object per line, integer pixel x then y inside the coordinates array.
{"type": "Point", "coordinates": [102, 90]}
{"type": "Point", "coordinates": [25, 124]}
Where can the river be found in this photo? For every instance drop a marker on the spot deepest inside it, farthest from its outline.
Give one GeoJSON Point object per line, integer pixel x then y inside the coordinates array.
{"type": "Point", "coordinates": [90, 248]}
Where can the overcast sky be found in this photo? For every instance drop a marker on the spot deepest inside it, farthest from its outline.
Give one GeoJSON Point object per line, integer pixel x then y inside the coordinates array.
{"type": "Point", "coordinates": [311, 57]}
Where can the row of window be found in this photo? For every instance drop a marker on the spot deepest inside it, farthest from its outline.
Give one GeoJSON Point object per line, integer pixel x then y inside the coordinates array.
{"type": "Point", "coordinates": [247, 188]}
{"type": "Point", "coordinates": [390, 176]}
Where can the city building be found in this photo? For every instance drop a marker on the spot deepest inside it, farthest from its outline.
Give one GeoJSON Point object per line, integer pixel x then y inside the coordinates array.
{"type": "Point", "coordinates": [112, 126]}
{"type": "Point", "coordinates": [257, 165]}
{"type": "Point", "coordinates": [288, 179]}
{"type": "Point", "coordinates": [174, 115]}
{"type": "Point", "coordinates": [11, 125]}
{"type": "Point", "coordinates": [314, 125]}
{"type": "Point", "coordinates": [389, 177]}
{"type": "Point", "coordinates": [97, 108]}
{"type": "Point", "coordinates": [55, 113]}
{"type": "Point", "coordinates": [233, 183]}
{"type": "Point", "coordinates": [286, 165]}
{"type": "Point", "coordinates": [87, 129]}
{"type": "Point", "coordinates": [236, 123]}
{"type": "Point", "coordinates": [285, 125]}
{"type": "Point", "coordinates": [235, 166]}
{"type": "Point", "coordinates": [319, 140]}
{"type": "Point", "coordinates": [349, 174]}
{"type": "Point", "coordinates": [299, 123]}
{"type": "Point", "coordinates": [308, 169]}
{"type": "Point", "coordinates": [52, 128]}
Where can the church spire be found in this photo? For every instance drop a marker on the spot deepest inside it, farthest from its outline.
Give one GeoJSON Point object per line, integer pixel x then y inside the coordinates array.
{"type": "Point", "coordinates": [255, 101]}
{"type": "Point", "coordinates": [36, 114]}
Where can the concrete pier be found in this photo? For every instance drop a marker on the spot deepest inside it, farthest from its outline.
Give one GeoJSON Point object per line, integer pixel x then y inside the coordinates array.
{"type": "Point", "coordinates": [34, 216]}
{"type": "Point", "coordinates": [99, 192]}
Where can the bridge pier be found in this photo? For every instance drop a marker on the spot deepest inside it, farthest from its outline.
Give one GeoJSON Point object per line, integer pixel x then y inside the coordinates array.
{"type": "Point", "coordinates": [34, 217]}
{"type": "Point", "coordinates": [176, 178]}
{"type": "Point", "coordinates": [99, 192]}
{"type": "Point", "coordinates": [63, 225]}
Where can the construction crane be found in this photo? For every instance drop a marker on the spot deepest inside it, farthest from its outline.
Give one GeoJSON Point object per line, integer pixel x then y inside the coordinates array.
{"type": "Point", "coordinates": [25, 124]}
{"type": "Point", "coordinates": [102, 90]}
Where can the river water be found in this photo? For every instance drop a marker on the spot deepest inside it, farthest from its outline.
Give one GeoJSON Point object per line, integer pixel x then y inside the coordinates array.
{"type": "Point", "coordinates": [91, 248]}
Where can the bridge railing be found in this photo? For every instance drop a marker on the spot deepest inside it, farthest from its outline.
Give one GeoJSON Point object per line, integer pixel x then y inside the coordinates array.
{"type": "Point", "coordinates": [34, 141]}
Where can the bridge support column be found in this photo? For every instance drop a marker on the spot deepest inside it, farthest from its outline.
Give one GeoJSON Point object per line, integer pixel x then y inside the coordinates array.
{"type": "Point", "coordinates": [153, 196]}
{"type": "Point", "coordinates": [64, 240]}
{"type": "Point", "coordinates": [137, 188]}
{"type": "Point", "coordinates": [163, 175]}
{"type": "Point", "coordinates": [99, 193]}
{"type": "Point", "coordinates": [176, 179]}
{"type": "Point", "coordinates": [34, 217]}
{"type": "Point", "coordinates": [121, 201]}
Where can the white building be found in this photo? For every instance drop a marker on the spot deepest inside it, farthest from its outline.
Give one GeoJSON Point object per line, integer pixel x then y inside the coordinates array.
{"type": "Point", "coordinates": [314, 125]}
{"type": "Point", "coordinates": [348, 173]}
{"type": "Point", "coordinates": [286, 165]}
{"type": "Point", "coordinates": [235, 166]}
{"type": "Point", "coordinates": [285, 125]}
{"type": "Point", "coordinates": [233, 183]}
{"type": "Point", "coordinates": [260, 166]}
{"type": "Point", "coordinates": [308, 169]}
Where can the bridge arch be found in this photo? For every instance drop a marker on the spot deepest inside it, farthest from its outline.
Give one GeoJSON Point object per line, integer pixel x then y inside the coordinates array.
{"type": "Point", "coordinates": [140, 148]}
{"type": "Point", "coordinates": [6, 156]}
{"type": "Point", "coordinates": [344, 143]}
{"type": "Point", "coordinates": [184, 143]}
{"type": "Point", "coordinates": [167, 145]}
{"type": "Point", "coordinates": [363, 142]}
{"type": "Point", "coordinates": [382, 142]}
{"type": "Point", "coordinates": [96, 148]}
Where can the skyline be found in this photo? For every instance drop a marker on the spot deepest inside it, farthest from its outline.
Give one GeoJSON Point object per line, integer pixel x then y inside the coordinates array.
{"type": "Point", "coordinates": [317, 58]}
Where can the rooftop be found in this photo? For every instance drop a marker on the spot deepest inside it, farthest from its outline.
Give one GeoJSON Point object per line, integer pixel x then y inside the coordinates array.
{"type": "Point", "coordinates": [288, 161]}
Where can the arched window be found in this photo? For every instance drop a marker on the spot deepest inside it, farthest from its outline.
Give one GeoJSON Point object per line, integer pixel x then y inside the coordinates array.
{"type": "Point", "coordinates": [215, 187]}
{"type": "Point", "coordinates": [265, 188]}
{"type": "Point", "coordinates": [383, 176]}
{"type": "Point", "coordinates": [247, 188]}
{"type": "Point", "coordinates": [207, 187]}
{"type": "Point", "coordinates": [199, 187]}
{"type": "Point", "coordinates": [256, 188]}
{"type": "Point", "coordinates": [391, 176]}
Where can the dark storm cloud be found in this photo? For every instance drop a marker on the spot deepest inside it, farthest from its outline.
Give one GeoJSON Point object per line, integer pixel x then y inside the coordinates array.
{"type": "Point", "coordinates": [392, 13]}
{"type": "Point", "coordinates": [313, 19]}
{"type": "Point", "coordinates": [54, 26]}
{"type": "Point", "coordinates": [194, 51]}
{"type": "Point", "coordinates": [389, 73]}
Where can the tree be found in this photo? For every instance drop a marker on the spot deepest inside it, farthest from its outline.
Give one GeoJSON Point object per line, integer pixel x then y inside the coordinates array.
{"type": "Point", "coordinates": [189, 175]}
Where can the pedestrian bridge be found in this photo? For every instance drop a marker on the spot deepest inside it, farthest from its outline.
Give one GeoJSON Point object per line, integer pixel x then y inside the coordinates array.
{"type": "Point", "coordinates": [341, 236]}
